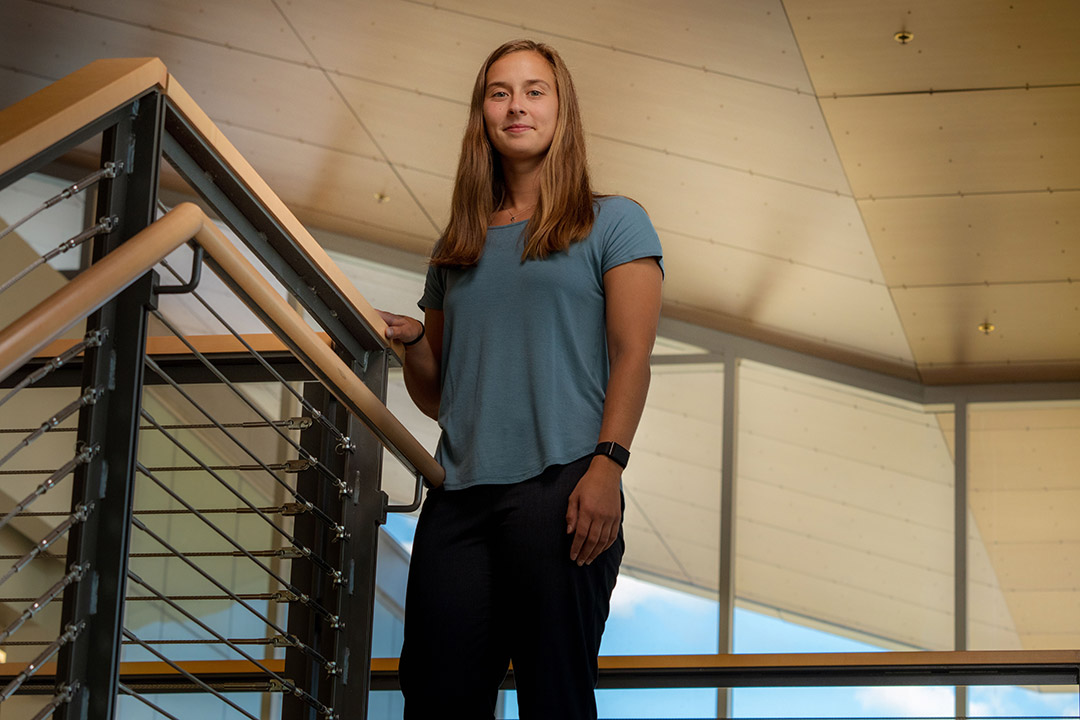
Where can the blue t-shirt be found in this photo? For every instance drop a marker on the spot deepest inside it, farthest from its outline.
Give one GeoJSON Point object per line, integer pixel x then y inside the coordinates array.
{"type": "Point", "coordinates": [524, 357]}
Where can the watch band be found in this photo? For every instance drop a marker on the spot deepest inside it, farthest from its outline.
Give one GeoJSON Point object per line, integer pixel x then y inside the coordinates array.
{"type": "Point", "coordinates": [615, 451]}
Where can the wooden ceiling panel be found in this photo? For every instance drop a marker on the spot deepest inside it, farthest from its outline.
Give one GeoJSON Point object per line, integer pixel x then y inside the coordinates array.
{"type": "Point", "coordinates": [253, 25]}
{"type": "Point", "coordinates": [14, 86]}
{"type": "Point", "coordinates": [317, 179]}
{"type": "Point", "coordinates": [1036, 324]}
{"type": "Point", "coordinates": [844, 600]}
{"type": "Point", "coordinates": [849, 45]}
{"type": "Point", "coordinates": [657, 472]}
{"type": "Point", "coordinates": [879, 537]}
{"type": "Point", "coordinates": [696, 439]}
{"type": "Point", "coordinates": [813, 476]}
{"type": "Point", "coordinates": [767, 218]}
{"type": "Point", "coordinates": [400, 44]}
{"type": "Point", "coordinates": [778, 294]}
{"type": "Point", "coordinates": [677, 520]}
{"type": "Point", "coordinates": [749, 38]}
{"type": "Point", "coordinates": [715, 119]}
{"type": "Point", "coordinates": [1038, 567]}
{"type": "Point", "coordinates": [690, 391]}
{"type": "Point", "coordinates": [413, 130]}
{"type": "Point", "coordinates": [976, 238]}
{"type": "Point", "coordinates": [952, 143]}
{"type": "Point", "coordinates": [242, 89]}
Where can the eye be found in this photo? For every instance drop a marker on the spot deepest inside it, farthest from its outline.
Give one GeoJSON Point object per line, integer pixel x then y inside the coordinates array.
{"type": "Point", "coordinates": [498, 93]}
{"type": "Point", "coordinates": [536, 93]}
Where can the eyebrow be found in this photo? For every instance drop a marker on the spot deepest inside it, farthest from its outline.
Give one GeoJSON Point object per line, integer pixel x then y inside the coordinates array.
{"type": "Point", "coordinates": [500, 83]}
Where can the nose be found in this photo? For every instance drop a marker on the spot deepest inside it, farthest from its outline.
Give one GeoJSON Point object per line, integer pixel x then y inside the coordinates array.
{"type": "Point", "coordinates": [515, 107]}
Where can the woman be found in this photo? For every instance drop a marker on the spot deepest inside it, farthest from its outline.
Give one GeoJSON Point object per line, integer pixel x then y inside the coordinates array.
{"type": "Point", "coordinates": [540, 312]}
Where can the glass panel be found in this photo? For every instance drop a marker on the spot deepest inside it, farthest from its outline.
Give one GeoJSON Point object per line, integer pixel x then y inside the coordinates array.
{"type": "Point", "coordinates": [665, 601]}
{"type": "Point", "coordinates": [844, 504]}
{"type": "Point", "coordinates": [202, 706]}
{"type": "Point", "coordinates": [1023, 702]}
{"type": "Point", "coordinates": [47, 230]}
{"type": "Point", "coordinates": [1023, 535]}
{"type": "Point", "coordinates": [637, 703]}
{"type": "Point", "coordinates": [845, 702]}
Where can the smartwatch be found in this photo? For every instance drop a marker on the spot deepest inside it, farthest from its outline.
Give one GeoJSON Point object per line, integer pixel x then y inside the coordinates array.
{"type": "Point", "coordinates": [615, 451]}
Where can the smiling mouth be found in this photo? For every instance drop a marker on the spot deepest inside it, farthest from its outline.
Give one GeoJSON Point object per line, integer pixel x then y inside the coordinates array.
{"type": "Point", "coordinates": [517, 128]}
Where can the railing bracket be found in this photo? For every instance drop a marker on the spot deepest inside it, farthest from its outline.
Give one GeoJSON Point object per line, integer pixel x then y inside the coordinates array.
{"type": "Point", "coordinates": [193, 281]}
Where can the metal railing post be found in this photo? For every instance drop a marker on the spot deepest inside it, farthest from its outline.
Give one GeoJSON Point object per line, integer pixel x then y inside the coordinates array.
{"type": "Point", "coordinates": [363, 512]}
{"type": "Point", "coordinates": [113, 371]}
{"type": "Point", "coordinates": [307, 577]}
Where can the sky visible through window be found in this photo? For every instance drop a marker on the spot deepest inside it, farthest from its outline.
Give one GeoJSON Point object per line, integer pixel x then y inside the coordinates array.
{"type": "Point", "coordinates": [648, 619]}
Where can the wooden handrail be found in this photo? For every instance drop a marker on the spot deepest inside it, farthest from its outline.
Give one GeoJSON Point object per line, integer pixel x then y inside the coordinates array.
{"type": "Point", "coordinates": [978, 667]}
{"type": "Point", "coordinates": [38, 122]}
{"type": "Point", "coordinates": [205, 344]}
{"type": "Point", "coordinates": [94, 287]}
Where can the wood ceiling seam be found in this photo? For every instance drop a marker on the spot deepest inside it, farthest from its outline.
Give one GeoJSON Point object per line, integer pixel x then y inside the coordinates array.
{"type": "Point", "coordinates": [873, 554]}
{"type": "Point", "coordinates": [860, 508]}
{"type": "Point", "coordinates": [29, 73]}
{"type": "Point", "coordinates": [613, 48]}
{"type": "Point", "coordinates": [821, 347]}
{"type": "Point", "coordinates": [163, 31]}
{"type": "Point", "coordinates": [960, 194]}
{"type": "Point", "coordinates": [770, 256]}
{"type": "Point", "coordinates": [356, 116]}
{"type": "Point", "coordinates": [722, 166]}
{"type": "Point", "coordinates": [832, 580]}
{"type": "Point", "coordinates": [947, 91]}
{"type": "Point", "coordinates": [314, 211]}
{"type": "Point", "coordinates": [652, 526]}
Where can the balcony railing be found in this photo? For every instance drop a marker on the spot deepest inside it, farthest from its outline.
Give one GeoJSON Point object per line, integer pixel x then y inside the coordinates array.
{"type": "Point", "coordinates": [199, 452]}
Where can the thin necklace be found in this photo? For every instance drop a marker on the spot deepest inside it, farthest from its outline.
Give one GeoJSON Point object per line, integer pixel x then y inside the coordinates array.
{"type": "Point", "coordinates": [513, 215]}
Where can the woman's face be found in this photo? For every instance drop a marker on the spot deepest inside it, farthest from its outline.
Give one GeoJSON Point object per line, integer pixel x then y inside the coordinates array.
{"type": "Point", "coordinates": [521, 105]}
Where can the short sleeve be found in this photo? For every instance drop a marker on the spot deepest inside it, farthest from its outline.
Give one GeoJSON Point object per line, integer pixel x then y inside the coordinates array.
{"type": "Point", "coordinates": [434, 289]}
{"type": "Point", "coordinates": [628, 233]}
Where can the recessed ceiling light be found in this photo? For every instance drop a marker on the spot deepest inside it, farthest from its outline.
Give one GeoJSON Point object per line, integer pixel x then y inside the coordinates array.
{"type": "Point", "coordinates": [904, 37]}
{"type": "Point", "coordinates": [987, 327]}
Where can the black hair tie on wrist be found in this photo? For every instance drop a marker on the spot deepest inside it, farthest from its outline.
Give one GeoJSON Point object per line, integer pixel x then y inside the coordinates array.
{"type": "Point", "coordinates": [418, 338]}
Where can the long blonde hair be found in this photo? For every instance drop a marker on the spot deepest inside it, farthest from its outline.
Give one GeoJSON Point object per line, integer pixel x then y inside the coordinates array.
{"type": "Point", "coordinates": [564, 212]}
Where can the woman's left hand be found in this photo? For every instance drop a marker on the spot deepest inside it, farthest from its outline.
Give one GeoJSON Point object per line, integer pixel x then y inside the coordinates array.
{"type": "Point", "coordinates": [595, 511]}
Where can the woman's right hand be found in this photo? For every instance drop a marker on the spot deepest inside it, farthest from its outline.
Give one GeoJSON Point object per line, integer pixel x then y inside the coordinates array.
{"type": "Point", "coordinates": [421, 362]}
{"type": "Point", "coordinates": [400, 327]}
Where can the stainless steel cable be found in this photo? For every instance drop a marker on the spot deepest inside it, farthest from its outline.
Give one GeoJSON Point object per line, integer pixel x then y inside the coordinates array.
{"type": "Point", "coordinates": [110, 170]}
{"type": "Point", "coordinates": [138, 696]}
{"type": "Point", "coordinates": [81, 459]}
{"type": "Point", "coordinates": [304, 402]}
{"type": "Point", "coordinates": [299, 692]}
{"type": "Point", "coordinates": [92, 339]}
{"type": "Point", "coordinates": [248, 401]}
{"type": "Point", "coordinates": [74, 575]}
{"type": "Point", "coordinates": [58, 532]}
{"type": "Point", "coordinates": [88, 398]}
{"type": "Point", "coordinates": [247, 553]}
{"type": "Point", "coordinates": [293, 640]}
{"type": "Point", "coordinates": [290, 424]}
{"type": "Point", "coordinates": [298, 466]}
{"type": "Point", "coordinates": [65, 695]}
{"type": "Point", "coordinates": [326, 567]}
{"type": "Point", "coordinates": [104, 225]}
{"type": "Point", "coordinates": [130, 635]}
{"type": "Point", "coordinates": [236, 493]}
{"type": "Point", "coordinates": [28, 672]}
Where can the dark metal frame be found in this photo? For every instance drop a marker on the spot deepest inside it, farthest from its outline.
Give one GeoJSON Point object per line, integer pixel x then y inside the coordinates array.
{"type": "Point", "coordinates": [91, 663]}
{"type": "Point", "coordinates": [136, 136]}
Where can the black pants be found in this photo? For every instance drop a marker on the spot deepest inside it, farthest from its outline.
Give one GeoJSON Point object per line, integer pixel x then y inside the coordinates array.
{"type": "Point", "coordinates": [491, 581]}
